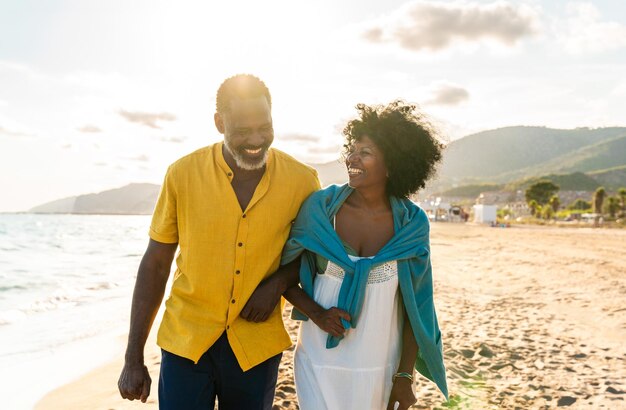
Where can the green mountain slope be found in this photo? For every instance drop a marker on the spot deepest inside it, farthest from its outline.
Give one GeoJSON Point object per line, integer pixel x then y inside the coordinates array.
{"type": "Point", "coordinates": [506, 154]}
{"type": "Point", "coordinates": [602, 155]}
{"type": "Point", "coordinates": [576, 181]}
{"type": "Point", "coordinates": [612, 178]}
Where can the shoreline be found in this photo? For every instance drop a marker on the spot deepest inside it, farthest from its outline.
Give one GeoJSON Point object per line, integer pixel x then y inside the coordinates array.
{"type": "Point", "coordinates": [531, 318]}
{"type": "Point", "coordinates": [58, 367]}
{"type": "Point", "coordinates": [97, 389]}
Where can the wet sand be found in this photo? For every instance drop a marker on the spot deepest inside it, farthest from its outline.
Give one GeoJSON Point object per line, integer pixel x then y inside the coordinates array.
{"type": "Point", "coordinates": [532, 317]}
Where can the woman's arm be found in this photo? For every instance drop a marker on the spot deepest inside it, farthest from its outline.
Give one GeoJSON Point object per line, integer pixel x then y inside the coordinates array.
{"type": "Point", "coordinates": [329, 320]}
{"type": "Point", "coordinates": [402, 390]}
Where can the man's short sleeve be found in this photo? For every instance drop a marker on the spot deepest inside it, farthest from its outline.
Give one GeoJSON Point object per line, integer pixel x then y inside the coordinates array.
{"type": "Point", "coordinates": [318, 185]}
{"type": "Point", "coordinates": [164, 226]}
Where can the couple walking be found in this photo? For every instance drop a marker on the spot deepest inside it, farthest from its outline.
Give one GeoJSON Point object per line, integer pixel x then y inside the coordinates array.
{"type": "Point", "coordinates": [252, 225]}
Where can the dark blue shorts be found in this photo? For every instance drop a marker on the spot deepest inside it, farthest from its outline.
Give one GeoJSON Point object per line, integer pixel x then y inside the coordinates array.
{"type": "Point", "coordinates": [185, 385]}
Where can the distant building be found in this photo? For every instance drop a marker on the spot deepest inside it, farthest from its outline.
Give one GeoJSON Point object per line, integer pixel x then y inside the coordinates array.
{"type": "Point", "coordinates": [485, 213]}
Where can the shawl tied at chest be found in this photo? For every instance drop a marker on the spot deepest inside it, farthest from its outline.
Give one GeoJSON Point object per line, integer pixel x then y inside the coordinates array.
{"type": "Point", "coordinates": [313, 233]}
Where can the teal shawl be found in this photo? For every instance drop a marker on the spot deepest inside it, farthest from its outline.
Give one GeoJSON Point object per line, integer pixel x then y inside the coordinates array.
{"type": "Point", "coordinates": [313, 233]}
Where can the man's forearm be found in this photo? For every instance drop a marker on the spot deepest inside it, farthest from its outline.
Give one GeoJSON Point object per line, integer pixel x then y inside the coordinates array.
{"type": "Point", "coordinates": [287, 276]}
{"type": "Point", "coordinates": [147, 296]}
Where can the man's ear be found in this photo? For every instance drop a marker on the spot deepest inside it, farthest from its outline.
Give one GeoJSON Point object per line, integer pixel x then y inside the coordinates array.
{"type": "Point", "coordinates": [219, 122]}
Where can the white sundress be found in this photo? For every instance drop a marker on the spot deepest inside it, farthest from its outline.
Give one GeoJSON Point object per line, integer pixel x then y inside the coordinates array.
{"type": "Point", "coordinates": [357, 373]}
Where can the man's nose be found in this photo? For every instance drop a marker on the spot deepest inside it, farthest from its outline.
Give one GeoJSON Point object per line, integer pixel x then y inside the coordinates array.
{"type": "Point", "coordinates": [257, 137]}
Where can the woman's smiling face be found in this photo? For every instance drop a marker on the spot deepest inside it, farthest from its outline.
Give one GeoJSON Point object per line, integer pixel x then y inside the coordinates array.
{"type": "Point", "coordinates": [366, 164]}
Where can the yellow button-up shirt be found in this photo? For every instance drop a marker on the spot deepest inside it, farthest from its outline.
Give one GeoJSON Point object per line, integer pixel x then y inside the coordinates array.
{"type": "Point", "coordinates": [225, 252]}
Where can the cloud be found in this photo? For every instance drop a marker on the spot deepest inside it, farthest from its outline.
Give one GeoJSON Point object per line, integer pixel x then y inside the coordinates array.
{"type": "Point", "coordinates": [147, 119]}
{"type": "Point", "coordinates": [620, 89]}
{"type": "Point", "coordinates": [13, 133]}
{"type": "Point", "coordinates": [22, 69]}
{"type": "Point", "coordinates": [306, 138]}
{"type": "Point", "coordinates": [140, 158]}
{"type": "Point", "coordinates": [89, 129]}
{"type": "Point", "coordinates": [373, 35]}
{"type": "Point", "coordinates": [448, 94]}
{"type": "Point", "coordinates": [430, 25]}
{"type": "Point", "coordinates": [326, 149]}
{"type": "Point", "coordinates": [176, 140]}
{"type": "Point", "coordinates": [584, 31]}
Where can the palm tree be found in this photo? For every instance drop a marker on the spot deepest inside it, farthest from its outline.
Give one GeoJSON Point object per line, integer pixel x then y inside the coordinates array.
{"type": "Point", "coordinates": [622, 197]}
{"type": "Point", "coordinates": [613, 206]}
{"type": "Point", "coordinates": [548, 212]}
{"type": "Point", "coordinates": [555, 203]}
{"type": "Point", "coordinates": [533, 206]}
{"type": "Point", "coordinates": [598, 200]}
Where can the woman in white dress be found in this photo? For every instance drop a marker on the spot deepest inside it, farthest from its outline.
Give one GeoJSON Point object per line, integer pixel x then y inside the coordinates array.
{"type": "Point", "coordinates": [366, 280]}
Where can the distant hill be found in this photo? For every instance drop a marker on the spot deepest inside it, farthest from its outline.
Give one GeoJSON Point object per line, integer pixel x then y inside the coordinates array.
{"type": "Point", "coordinates": [334, 172]}
{"type": "Point", "coordinates": [507, 158]}
{"type": "Point", "coordinates": [598, 156]}
{"type": "Point", "coordinates": [134, 199]}
{"type": "Point", "coordinates": [470, 191]}
{"type": "Point", "coordinates": [612, 178]}
{"type": "Point", "coordinates": [139, 199]}
{"type": "Point", "coordinates": [576, 181]}
{"type": "Point", "coordinates": [511, 153]}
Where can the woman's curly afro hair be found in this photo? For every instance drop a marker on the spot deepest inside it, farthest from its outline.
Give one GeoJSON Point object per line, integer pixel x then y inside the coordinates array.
{"type": "Point", "coordinates": [410, 145]}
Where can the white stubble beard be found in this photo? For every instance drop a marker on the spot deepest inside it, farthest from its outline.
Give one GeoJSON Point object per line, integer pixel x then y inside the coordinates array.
{"type": "Point", "coordinates": [242, 163]}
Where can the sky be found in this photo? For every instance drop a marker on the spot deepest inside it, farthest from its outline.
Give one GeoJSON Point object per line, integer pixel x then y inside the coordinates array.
{"type": "Point", "coordinates": [98, 94]}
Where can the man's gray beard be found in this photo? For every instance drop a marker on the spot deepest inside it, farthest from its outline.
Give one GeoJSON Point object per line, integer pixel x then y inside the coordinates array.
{"type": "Point", "coordinates": [241, 162]}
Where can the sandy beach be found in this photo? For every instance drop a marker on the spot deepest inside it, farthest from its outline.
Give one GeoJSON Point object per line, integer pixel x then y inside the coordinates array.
{"type": "Point", "coordinates": [532, 317]}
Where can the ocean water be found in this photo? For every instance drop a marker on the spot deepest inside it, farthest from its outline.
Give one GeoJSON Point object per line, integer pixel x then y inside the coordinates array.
{"type": "Point", "coordinates": [66, 285]}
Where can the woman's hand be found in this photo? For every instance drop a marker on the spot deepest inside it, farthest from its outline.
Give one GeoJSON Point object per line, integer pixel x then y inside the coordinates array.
{"type": "Point", "coordinates": [329, 320]}
{"type": "Point", "coordinates": [401, 392]}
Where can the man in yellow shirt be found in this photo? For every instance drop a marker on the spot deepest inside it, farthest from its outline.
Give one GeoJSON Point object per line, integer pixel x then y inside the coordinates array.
{"type": "Point", "coordinates": [229, 208]}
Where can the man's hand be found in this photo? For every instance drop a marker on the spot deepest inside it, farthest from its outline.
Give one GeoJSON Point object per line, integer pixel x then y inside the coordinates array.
{"type": "Point", "coordinates": [401, 392]}
{"type": "Point", "coordinates": [134, 382]}
{"type": "Point", "coordinates": [329, 320]}
{"type": "Point", "coordinates": [263, 301]}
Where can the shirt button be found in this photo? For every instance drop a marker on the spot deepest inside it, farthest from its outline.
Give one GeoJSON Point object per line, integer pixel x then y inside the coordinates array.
{"type": "Point", "coordinates": [243, 216]}
{"type": "Point", "coordinates": [232, 301]}
{"type": "Point", "coordinates": [240, 244]}
{"type": "Point", "coordinates": [237, 271]}
{"type": "Point", "coordinates": [230, 174]}
{"type": "Point", "coordinates": [227, 327]}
